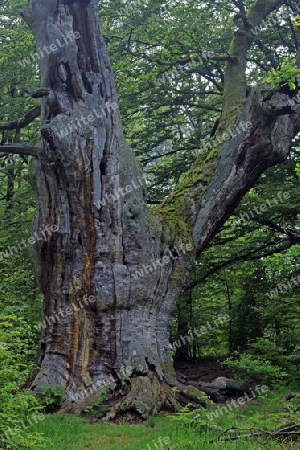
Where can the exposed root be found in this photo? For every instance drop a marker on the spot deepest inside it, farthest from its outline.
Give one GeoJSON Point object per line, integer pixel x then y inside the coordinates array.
{"type": "Point", "coordinates": [144, 395]}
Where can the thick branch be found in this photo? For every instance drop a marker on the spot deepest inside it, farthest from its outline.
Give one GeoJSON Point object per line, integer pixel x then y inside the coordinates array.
{"type": "Point", "coordinates": [261, 9]}
{"type": "Point", "coordinates": [235, 71]}
{"type": "Point", "coordinates": [227, 167]}
{"type": "Point", "coordinates": [19, 149]}
{"type": "Point", "coordinates": [240, 5]}
{"type": "Point", "coordinates": [36, 92]}
{"type": "Point", "coordinates": [276, 227]}
{"type": "Point", "coordinates": [29, 117]}
{"type": "Point", "coordinates": [263, 251]}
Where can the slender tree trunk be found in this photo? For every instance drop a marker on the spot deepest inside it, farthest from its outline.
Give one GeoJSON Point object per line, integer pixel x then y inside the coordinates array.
{"type": "Point", "coordinates": [112, 272]}
{"type": "Point", "coordinates": [10, 187]}
{"type": "Point", "coordinates": [230, 322]}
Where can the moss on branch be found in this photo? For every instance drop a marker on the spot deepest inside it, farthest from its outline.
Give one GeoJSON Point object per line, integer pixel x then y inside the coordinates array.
{"type": "Point", "coordinates": [180, 209]}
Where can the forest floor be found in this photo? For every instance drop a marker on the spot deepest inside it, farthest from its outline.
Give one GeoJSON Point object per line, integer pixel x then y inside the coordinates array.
{"type": "Point", "coordinates": [180, 431]}
{"type": "Point", "coordinates": [204, 369]}
{"type": "Point", "coordinates": [201, 429]}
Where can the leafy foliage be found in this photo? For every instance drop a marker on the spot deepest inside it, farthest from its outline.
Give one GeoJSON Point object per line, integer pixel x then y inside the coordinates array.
{"type": "Point", "coordinates": [17, 406]}
{"type": "Point", "coordinates": [285, 74]}
{"type": "Point", "coordinates": [50, 398]}
{"type": "Point", "coordinates": [254, 369]}
{"type": "Point", "coordinates": [99, 409]}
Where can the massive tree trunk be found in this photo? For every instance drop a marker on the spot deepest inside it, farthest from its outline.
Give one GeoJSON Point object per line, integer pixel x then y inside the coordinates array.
{"type": "Point", "coordinates": [112, 272]}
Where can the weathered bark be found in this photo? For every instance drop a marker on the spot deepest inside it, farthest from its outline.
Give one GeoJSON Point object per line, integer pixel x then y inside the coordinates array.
{"type": "Point", "coordinates": [99, 247]}
{"type": "Point", "coordinates": [226, 169]}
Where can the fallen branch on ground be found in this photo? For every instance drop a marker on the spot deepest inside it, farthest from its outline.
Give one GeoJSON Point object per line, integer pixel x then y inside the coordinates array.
{"type": "Point", "coordinates": [279, 433]}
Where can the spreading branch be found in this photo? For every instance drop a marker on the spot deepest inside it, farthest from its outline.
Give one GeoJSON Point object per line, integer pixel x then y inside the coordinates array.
{"type": "Point", "coordinates": [262, 251]}
{"type": "Point", "coordinates": [235, 72]}
{"type": "Point", "coordinates": [276, 227]}
{"type": "Point", "coordinates": [199, 199]}
{"type": "Point", "coordinates": [29, 117]}
{"type": "Point", "coordinates": [240, 5]}
{"type": "Point", "coordinates": [36, 92]}
{"type": "Point", "coordinates": [19, 149]}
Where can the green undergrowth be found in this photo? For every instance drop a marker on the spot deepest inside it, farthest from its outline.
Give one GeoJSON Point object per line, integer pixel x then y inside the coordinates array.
{"type": "Point", "coordinates": [178, 432]}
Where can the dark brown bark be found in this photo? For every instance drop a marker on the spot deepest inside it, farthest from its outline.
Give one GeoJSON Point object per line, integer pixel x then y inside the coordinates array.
{"type": "Point", "coordinates": [108, 244]}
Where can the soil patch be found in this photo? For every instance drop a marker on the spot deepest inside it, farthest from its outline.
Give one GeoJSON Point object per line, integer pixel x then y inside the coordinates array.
{"type": "Point", "coordinates": [203, 369]}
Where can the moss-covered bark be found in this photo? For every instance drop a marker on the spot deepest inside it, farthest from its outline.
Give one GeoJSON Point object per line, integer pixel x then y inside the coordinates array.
{"type": "Point", "coordinates": [260, 137]}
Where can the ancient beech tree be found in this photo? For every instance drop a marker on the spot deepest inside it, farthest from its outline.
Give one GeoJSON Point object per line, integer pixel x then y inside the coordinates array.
{"type": "Point", "coordinates": [109, 245]}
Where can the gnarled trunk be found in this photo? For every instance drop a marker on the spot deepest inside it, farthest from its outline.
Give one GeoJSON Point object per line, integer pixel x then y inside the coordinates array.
{"type": "Point", "coordinates": [108, 294]}
{"type": "Point", "coordinates": [113, 270]}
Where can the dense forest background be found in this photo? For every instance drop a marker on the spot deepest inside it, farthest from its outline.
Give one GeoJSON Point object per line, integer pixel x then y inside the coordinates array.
{"type": "Point", "coordinates": [170, 90]}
